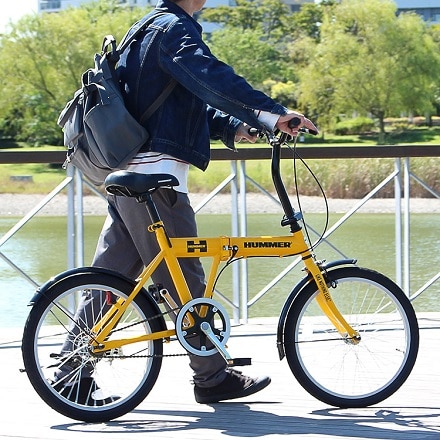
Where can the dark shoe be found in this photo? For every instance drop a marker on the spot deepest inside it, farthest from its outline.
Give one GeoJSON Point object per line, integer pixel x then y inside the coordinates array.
{"type": "Point", "coordinates": [234, 386]}
{"type": "Point", "coordinates": [82, 392]}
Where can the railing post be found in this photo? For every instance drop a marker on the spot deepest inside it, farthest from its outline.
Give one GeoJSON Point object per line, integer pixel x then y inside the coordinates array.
{"type": "Point", "coordinates": [79, 219]}
{"type": "Point", "coordinates": [71, 248]}
{"type": "Point", "coordinates": [243, 233]}
{"type": "Point", "coordinates": [234, 233]}
{"type": "Point", "coordinates": [398, 220]}
{"type": "Point", "coordinates": [406, 228]}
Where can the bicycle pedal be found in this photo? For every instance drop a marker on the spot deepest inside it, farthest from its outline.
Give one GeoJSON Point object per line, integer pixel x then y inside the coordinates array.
{"type": "Point", "coordinates": [239, 362]}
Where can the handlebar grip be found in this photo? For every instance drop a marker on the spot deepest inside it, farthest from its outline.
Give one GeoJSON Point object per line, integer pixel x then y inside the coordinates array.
{"type": "Point", "coordinates": [294, 122]}
{"type": "Point", "coordinates": [312, 132]}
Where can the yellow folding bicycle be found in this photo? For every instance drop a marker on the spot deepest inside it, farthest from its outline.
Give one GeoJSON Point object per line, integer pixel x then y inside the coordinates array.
{"type": "Point", "coordinates": [349, 334]}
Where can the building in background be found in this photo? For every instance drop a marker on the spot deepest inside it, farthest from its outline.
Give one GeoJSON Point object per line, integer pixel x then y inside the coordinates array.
{"type": "Point", "coordinates": [57, 5]}
{"type": "Point", "coordinates": [428, 9]}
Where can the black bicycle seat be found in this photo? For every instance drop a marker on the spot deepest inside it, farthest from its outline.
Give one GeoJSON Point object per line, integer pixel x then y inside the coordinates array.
{"type": "Point", "coordinates": [131, 184]}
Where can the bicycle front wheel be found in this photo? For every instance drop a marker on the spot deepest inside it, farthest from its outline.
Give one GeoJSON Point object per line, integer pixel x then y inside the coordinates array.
{"type": "Point", "coordinates": [337, 371]}
{"type": "Point", "coordinates": [57, 353]}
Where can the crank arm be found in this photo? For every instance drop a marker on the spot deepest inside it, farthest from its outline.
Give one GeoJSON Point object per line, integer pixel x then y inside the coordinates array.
{"type": "Point", "coordinates": [206, 328]}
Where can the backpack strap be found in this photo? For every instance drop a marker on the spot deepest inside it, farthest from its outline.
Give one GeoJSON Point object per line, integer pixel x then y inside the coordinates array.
{"type": "Point", "coordinates": [133, 32]}
{"type": "Point", "coordinates": [111, 52]}
{"type": "Point", "coordinates": [126, 41]}
{"type": "Point", "coordinates": [159, 100]}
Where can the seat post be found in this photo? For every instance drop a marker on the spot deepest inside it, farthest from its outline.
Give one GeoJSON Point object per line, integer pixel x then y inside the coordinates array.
{"type": "Point", "coordinates": [150, 206]}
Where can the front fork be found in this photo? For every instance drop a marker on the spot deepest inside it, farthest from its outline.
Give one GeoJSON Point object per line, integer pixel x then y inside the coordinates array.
{"type": "Point", "coordinates": [325, 302]}
{"type": "Point", "coordinates": [317, 274]}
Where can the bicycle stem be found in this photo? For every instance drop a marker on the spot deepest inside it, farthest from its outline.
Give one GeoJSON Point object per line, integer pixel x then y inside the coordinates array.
{"type": "Point", "coordinates": [291, 217]}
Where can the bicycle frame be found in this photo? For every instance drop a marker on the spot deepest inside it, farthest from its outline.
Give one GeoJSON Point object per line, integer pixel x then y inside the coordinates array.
{"type": "Point", "coordinates": [80, 342]}
{"type": "Point", "coordinates": [222, 249]}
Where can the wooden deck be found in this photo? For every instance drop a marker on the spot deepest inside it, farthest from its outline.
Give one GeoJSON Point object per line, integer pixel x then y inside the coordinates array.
{"type": "Point", "coordinates": [283, 409]}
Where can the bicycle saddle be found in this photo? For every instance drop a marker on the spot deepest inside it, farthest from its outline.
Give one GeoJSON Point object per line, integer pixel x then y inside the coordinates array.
{"type": "Point", "coordinates": [131, 184]}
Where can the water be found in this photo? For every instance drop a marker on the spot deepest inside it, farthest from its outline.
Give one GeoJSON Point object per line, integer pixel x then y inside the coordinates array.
{"type": "Point", "coordinates": [39, 249]}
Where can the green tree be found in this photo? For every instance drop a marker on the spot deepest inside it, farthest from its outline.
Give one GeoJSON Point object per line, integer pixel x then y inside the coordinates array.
{"type": "Point", "coordinates": [283, 92]}
{"type": "Point", "coordinates": [252, 39]}
{"type": "Point", "coordinates": [43, 57]}
{"type": "Point", "coordinates": [369, 61]}
{"type": "Point", "coordinates": [271, 17]}
{"type": "Point", "coordinates": [307, 21]}
{"type": "Point", "coordinates": [250, 56]}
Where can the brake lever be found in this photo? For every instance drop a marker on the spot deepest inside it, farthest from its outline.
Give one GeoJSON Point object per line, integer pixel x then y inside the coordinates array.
{"type": "Point", "coordinates": [271, 136]}
{"type": "Point", "coordinates": [256, 132]}
{"type": "Point", "coordinates": [281, 136]}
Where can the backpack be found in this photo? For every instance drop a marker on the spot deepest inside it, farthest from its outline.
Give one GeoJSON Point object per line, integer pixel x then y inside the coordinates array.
{"type": "Point", "coordinates": [100, 134]}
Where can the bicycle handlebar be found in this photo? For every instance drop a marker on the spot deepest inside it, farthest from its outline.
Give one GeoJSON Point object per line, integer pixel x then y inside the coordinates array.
{"type": "Point", "coordinates": [276, 140]}
{"type": "Point", "coordinates": [293, 123]}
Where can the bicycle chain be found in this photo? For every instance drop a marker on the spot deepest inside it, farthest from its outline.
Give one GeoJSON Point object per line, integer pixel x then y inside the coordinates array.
{"type": "Point", "coordinates": [146, 355]}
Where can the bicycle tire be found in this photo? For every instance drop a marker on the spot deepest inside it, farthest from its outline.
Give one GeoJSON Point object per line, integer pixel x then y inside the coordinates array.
{"type": "Point", "coordinates": [118, 381]}
{"type": "Point", "coordinates": [344, 374]}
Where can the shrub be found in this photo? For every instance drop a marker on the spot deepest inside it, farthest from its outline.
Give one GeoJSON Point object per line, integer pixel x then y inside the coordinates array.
{"type": "Point", "coordinates": [354, 126]}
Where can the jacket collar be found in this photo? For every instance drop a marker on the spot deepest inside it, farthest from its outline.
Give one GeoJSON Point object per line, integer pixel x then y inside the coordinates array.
{"type": "Point", "coordinates": [173, 8]}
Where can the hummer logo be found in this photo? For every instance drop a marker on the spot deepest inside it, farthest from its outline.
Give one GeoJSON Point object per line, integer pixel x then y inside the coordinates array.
{"type": "Point", "coordinates": [201, 246]}
{"type": "Point", "coordinates": [267, 244]}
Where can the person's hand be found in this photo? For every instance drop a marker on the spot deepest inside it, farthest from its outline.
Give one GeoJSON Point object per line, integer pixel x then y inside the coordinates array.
{"type": "Point", "coordinates": [243, 133]}
{"type": "Point", "coordinates": [283, 123]}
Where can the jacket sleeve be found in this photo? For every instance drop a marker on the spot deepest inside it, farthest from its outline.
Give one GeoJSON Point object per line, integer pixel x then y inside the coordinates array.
{"type": "Point", "coordinates": [222, 126]}
{"type": "Point", "coordinates": [187, 58]}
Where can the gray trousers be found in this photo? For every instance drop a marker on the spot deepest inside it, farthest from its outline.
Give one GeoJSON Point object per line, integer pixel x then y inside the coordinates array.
{"type": "Point", "coordinates": [126, 246]}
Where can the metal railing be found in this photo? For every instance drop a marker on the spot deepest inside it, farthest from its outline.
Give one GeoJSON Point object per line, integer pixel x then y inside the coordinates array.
{"type": "Point", "coordinates": [401, 177]}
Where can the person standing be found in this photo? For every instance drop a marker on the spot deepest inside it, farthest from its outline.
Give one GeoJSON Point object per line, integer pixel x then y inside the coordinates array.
{"type": "Point", "coordinates": [208, 101]}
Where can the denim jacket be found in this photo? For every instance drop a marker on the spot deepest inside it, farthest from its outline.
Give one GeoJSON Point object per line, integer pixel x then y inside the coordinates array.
{"type": "Point", "coordinates": [209, 99]}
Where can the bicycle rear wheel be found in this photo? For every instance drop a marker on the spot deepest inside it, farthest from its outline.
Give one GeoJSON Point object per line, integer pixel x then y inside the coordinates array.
{"type": "Point", "coordinates": [345, 374]}
{"type": "Point", "coordinates": [57, 356]}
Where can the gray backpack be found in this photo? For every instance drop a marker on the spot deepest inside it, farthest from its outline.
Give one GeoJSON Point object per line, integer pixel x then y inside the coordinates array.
{"type": "Point", "coordinates": [100, 134]}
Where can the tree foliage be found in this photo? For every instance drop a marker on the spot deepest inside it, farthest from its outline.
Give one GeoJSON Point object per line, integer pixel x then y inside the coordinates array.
{"type": "Point", "coordinates": [43, 57]}
{"type": "Point", "coordinates": [271, 17]}
{"type": "Point", "coordinates": [254, 39]}
{"type": "Point", "coordinates": [253, 58]}
{"type": "Point", "coordinates": [329, 59]}
{"type": "Point", "coordinates": [370, 61]}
